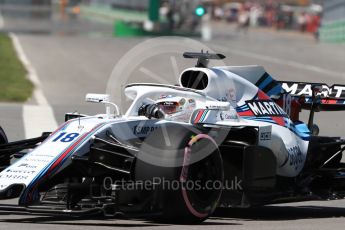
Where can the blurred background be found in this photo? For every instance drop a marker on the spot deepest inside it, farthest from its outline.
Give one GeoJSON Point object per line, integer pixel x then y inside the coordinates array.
{"type": "Point", "coordinates": [322, 18]}
{"type": "Point", "coordinates": [53, 52]}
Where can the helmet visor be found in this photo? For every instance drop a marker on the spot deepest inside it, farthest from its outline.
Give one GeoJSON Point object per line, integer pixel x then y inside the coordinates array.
{"type": "Point", "coordinates": [169, 107]}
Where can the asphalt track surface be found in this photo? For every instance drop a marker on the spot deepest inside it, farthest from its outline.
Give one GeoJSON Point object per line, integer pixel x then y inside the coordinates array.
{"type": "Point", "coordinates": [77, 57]}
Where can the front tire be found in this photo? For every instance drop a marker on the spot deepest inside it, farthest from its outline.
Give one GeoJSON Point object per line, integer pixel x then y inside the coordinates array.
{"type": "Point", "coordinates": [4, 159]}
{"type": "Point", "coordinates": [187, 190]}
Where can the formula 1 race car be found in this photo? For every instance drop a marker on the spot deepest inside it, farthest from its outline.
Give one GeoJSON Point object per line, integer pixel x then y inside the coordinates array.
{"type": "Point", "coordinates": [225, 137]}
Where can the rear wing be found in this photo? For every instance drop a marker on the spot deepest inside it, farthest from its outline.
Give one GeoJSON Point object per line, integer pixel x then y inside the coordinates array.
{"type": "Point", "coordinates": [328, 98]}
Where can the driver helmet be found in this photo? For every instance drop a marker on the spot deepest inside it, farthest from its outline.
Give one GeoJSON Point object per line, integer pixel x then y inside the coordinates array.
{"type": "Point", "coordinates": [176, 107]}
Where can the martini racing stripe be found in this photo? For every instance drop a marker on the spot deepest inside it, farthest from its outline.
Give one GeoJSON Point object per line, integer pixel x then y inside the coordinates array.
{"type": "Point", "coordinates": [204, 115]}
{"type": "Point", "coordinates": [268, 85]}
{"type": "Point", "coordinates": [247, 113]}
{"type": "Point", "coordinates": [242, 108]}
{"type": "Point", "coordinates": [275, 90]}
{"type": "Point", "coordinates": [262, 79]}
{"type": "Point", "coordinates": [266, 79]}
{"type": "Point", "coordinates": [31, 192]}
{"type": "Point", "coordinates": [201, 116]}
{"type": "Point", "coordinates": [62, 127]}
{"type": "Point", "coordinates": [200, 113]}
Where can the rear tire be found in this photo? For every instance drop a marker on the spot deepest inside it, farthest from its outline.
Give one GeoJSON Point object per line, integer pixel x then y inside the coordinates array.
{"type": "Point", "coordinates": [190, 197]}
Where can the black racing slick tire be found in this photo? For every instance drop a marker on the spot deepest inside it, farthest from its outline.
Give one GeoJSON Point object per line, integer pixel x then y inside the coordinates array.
{"type": "Point", "coordinates": [4, 159]}
{"type": "Point", "coordinates": [188, 168]}
{"type": "Point", "coordinates": [3, 138]}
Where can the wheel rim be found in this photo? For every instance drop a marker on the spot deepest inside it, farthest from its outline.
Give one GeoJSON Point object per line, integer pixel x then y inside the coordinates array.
{"type": "Point", "coordinates": [206, 172]}
{"type": "Point", "coordinates": [200, 199]}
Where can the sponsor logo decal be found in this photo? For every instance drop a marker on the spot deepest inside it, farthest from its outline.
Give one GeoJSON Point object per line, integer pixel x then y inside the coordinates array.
{"type": "Point", "coordinates": [12, 176]}
{"type": "Point", "coordinates": [295, 156]}
{"type": "Point", "coordinates": [336, 91]}
{"type": "Point", "coordinates": [31, 159]}
{"type": "Point", "coordinates": [28, 166]}
{"type": "Point", "coordinates": [20, 171]}
{"type": "Point", "coordinates": [265, 108]}
{"type": "Point", "coordinates": [265, 136]}
{"type": "Point", "coordinates": [232, 115]}
{"type": "Point", "coordinates": [143, 130]}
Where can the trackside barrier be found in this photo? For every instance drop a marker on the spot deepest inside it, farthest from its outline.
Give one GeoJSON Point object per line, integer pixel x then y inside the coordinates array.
{"type": "Point", "coordinates": [333, 32]}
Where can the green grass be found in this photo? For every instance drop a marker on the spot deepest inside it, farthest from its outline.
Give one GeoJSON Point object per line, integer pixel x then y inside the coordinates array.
{"type": "Point", "coordinates": [14, 86]}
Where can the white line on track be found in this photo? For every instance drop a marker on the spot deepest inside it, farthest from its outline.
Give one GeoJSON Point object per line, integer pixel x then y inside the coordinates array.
{"type": "Point", "coordinates": [36, 118]}
{"type": "Point", "coordinates": [32, 75]}
{"type": "Point", "coordinates": [1, 21]}
{"type": "Point", "coordinates": [280, 61]}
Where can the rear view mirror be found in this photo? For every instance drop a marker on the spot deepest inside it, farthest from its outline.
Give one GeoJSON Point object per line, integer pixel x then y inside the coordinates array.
{"type": "Point", "coordinates": [97, 98]}
{"type": "Point", "coordinates": [104, 99]}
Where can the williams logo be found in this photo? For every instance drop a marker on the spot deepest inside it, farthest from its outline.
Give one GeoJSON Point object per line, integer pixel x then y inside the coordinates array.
{"type": "Point", "coordinates": [265, 108]}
